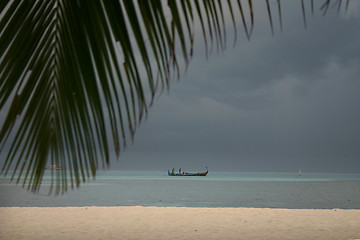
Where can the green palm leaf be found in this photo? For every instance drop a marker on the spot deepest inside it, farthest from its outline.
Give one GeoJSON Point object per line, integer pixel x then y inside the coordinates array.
{"type": "Point", "coordinates": [77, 77]}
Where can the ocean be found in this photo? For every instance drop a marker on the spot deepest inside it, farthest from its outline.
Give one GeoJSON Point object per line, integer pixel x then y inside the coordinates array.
{"type": "Point", "coordinates": [218, 189]}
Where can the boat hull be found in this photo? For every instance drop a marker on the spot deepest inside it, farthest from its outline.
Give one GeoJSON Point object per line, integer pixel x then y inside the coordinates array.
{"type": "Point", "coordinates": [185, 174]}
{"type": "Point", "coordinates": [53, 167]}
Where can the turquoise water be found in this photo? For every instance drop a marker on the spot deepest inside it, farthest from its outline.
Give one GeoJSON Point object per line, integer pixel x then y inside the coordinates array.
{"type": "Point", "coordinates": [265, 190]}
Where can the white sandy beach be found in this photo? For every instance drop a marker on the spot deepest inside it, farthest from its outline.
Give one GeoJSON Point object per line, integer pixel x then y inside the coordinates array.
{"type": "Point", "coordinates": [176, 223]}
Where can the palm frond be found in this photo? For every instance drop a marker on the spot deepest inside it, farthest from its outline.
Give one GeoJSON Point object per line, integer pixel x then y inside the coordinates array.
{"type": "Point", "coordinates": [303, 11]}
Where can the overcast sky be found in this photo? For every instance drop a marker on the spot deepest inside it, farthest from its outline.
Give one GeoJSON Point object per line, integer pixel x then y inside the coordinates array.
{"type": "Point", "coordinates": [272, 104]}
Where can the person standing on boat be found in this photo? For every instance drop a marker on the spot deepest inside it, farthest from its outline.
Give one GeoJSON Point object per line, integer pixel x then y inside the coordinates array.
{"type": "Point", "coordinates": [179, 170]}
{"type": "Point", "coordinates": [173, 171]}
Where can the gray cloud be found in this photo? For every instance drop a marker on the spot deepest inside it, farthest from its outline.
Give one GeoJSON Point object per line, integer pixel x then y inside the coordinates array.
{"type": "Point", "coordinates": [272, 104]}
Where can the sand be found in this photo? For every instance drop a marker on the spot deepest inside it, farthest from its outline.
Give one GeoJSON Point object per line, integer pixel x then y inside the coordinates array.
{"type": "Point", "coordinates": [176, 223]}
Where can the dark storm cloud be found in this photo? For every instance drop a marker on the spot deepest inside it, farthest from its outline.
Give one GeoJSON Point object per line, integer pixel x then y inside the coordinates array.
{"type": "Point", "coordinates": [272, 104]}
{"type": "Point", "coordinates": [266, 60]}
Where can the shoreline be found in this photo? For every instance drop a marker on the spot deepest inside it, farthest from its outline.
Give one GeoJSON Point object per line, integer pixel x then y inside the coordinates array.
{"type": "Point", "coordinates": [196, 207]}
{"type": "Point", "coordinates": [137, 222]}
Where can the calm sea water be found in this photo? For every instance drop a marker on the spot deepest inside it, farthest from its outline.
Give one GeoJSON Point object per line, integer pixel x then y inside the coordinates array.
{"type": "Point", "coordinates": [260, 190]}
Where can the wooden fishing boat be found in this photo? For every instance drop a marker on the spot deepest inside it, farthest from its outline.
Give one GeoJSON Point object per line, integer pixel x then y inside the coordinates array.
{"type": "Point", "coordinates": [183, 174]}
{"type": "Point", "coordinates": [53, 167]}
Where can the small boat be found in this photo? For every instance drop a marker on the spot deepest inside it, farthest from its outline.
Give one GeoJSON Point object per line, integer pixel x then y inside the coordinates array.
{"type": "Point", "coordinates": [53, 167]}
{"type": "Point", "coordinates": [172, 173]}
